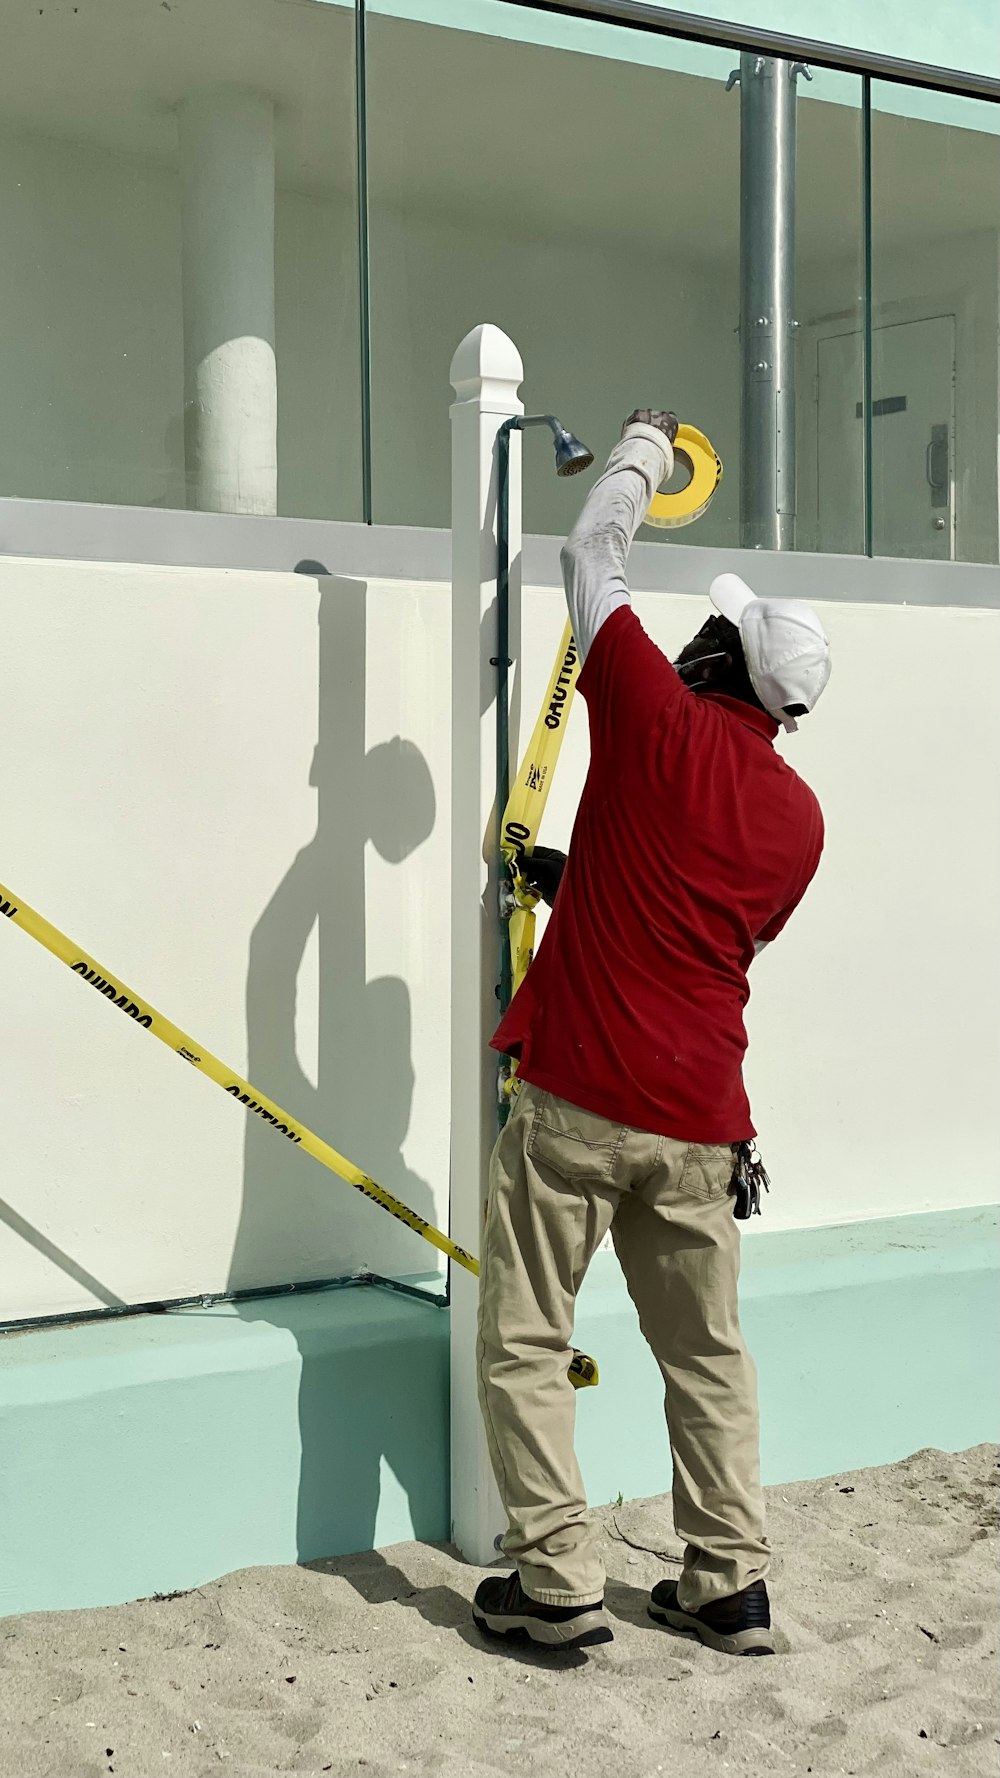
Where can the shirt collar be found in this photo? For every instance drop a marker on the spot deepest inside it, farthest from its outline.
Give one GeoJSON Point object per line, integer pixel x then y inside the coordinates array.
{"type": "Point", "coordinates": [758, 720]}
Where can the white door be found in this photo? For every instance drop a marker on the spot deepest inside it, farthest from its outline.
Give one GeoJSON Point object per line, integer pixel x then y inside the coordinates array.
{"type": "Point", "coordinates": [913, 432]}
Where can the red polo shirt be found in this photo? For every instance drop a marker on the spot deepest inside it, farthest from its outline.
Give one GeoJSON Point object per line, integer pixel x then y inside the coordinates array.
{"type": "Point", "coordinates": [693, 839]}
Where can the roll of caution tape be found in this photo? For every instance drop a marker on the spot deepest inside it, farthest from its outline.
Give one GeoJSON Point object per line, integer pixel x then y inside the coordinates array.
{"type": "Point", "coordinates": [694, 453]}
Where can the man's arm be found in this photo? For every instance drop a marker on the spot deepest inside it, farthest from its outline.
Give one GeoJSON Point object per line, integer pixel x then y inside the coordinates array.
{"type": "Point", "coordinates": [595, 553]}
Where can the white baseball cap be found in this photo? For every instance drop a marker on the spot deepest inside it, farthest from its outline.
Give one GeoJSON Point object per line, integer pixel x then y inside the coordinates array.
{"type": "Point", "coordinates": [784, 645]}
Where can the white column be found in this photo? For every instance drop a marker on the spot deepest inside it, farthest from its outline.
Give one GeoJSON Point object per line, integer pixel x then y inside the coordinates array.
{"type": "Point", "coordinates": [486, 374]}
{"type": "Point", "coordinates": [230, 382]}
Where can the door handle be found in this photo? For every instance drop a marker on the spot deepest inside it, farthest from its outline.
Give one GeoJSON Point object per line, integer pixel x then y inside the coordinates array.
{"type": "Point", "coordinates": [937, 465]}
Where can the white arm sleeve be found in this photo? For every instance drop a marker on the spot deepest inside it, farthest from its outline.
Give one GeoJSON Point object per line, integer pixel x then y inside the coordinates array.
{"type": "Point", "coordinates": [594, 555]}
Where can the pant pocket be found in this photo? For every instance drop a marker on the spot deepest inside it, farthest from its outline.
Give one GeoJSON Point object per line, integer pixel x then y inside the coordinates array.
{"type": "Point", "coordinates": [578, 1145]}
{"type": "Point", "coordinates": [708, 1170]}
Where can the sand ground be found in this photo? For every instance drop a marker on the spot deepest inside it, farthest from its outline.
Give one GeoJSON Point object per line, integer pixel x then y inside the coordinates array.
{"type": "Point", "coordinates": [885, 1595]}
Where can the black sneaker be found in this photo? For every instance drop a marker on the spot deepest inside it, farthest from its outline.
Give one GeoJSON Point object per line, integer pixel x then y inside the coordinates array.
{"type": "Point", "coordinates": [739, 1625]}
{"type": "Point", "coordinates": [502, 1608]}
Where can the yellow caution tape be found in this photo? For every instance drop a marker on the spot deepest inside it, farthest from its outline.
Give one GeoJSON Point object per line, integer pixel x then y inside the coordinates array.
{"type": "Point", "coordinates": [521, 933]}
{"type": "Point", "coordinates": [530, 790]}
{"type": "Point", "coordinates": [529, 794]}
{"type": "Point", "coordinates": [692, 450]}
{"type": "Point", "coordinates": [582, 1370]}
{"type": "Point", "coordinates": [148, 1019]}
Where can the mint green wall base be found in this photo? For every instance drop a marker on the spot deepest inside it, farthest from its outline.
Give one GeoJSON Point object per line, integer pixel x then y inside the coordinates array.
{"type": "Point", "coordinates": [145, 1455]}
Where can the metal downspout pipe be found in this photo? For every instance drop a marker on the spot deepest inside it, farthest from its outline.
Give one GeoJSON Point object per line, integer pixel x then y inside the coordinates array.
{"type": "Point", "coordinates": [767, 300]}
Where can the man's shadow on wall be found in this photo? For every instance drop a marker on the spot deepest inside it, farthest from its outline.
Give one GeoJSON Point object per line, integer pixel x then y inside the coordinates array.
{"type": "Point", "coordinates": [299, 1220]}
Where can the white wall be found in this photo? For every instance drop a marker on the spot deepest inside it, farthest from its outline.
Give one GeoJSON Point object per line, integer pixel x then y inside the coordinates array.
{"type": "Point", "coordinates": [91, 349]}
{"type": "Point", "coordinates": [233, 789]}
{"type": "Point", "coordinates": [91, 354]}
{"type": "Point", "coordinates": [432, 281]}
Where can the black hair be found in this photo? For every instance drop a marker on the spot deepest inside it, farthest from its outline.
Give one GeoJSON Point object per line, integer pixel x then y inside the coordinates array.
{"type": "Point", "coordinates": [734, 681]}
{"type": "Point", "coordinates": [721, 636]}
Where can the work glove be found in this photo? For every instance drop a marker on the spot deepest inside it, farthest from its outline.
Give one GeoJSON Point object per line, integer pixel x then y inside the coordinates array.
{"type": "Point", "coordinates": [663, 420]}
{"type": "Point", "coordinates": [542, 872]}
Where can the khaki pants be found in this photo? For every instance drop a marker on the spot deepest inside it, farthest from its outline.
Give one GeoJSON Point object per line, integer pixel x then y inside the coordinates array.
{"type": "Point", "coordinates": [560, 1178]}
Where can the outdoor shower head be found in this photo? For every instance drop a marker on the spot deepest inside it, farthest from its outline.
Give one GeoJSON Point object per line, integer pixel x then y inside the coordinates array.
{"type": "Point", "coordinates": [571, 455]}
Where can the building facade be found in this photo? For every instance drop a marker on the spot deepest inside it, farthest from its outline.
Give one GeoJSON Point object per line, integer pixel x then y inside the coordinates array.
{"type": "Point", "coordinates": [243, 239]}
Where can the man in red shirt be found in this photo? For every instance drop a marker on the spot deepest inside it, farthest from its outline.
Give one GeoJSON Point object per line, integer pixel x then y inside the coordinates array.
{"type": "Point", "coordinates": [631, 1115]}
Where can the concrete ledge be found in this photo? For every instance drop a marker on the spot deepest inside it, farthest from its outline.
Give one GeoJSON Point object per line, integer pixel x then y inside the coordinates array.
{"type": "Point", "coordinates": [67, 530]}
{"type": "Point", "coordinates": [150, 1454]}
